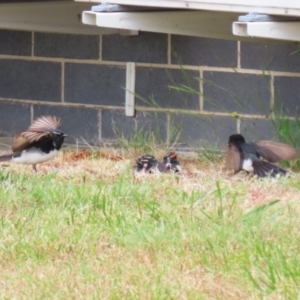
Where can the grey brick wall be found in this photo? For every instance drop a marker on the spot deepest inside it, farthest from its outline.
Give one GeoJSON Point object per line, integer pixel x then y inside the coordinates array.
{"type": "Point", "coordinates": [82, 79]}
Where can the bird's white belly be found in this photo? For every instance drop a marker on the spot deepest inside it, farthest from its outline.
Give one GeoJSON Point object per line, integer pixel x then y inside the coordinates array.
{"type": "Point", "coordinates": [34, 156]}
{"type": "Point", "coordinates": [247, 165]}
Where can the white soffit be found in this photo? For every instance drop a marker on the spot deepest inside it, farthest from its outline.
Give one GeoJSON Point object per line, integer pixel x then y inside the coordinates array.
{"type": "Point", "coordinates": [271, 7]}
{"type": "Point", "coordinates": [203, 18]}
{"type": "Point", "coordinates": [57, 16]}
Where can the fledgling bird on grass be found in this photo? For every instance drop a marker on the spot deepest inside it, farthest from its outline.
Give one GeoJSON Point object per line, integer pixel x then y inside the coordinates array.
{"type": "Point", "coordinates": [171, 163]}
{"type": "Point", "coordinates": [247, 156]}
{"type": "Point", "coordinates": [149, 164]}
{"type": "Point", "coordinates": [145, 164]}
{"type": "Point", "coordinates": [39, 143]}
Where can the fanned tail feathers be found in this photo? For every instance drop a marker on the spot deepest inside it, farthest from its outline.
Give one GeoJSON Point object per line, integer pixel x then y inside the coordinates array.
{"type": "Point", "coordinates": [45, 123]}
{"type": "Point", "coordinates": [41, 127]}
{"type": "Point", "coordinates": [264, 169]}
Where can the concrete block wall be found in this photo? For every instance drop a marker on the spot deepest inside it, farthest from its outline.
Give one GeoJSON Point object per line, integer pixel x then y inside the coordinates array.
{"type": "Point", "coordinates": [81, 79]}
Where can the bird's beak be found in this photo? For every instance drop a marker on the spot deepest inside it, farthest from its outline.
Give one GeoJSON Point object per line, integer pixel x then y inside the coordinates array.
{"type": "Point", "coordinates": [64, 135]}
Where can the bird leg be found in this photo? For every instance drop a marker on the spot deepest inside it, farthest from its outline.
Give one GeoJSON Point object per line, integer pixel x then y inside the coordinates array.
{"type": "Point", "coordinates": [34, 167]}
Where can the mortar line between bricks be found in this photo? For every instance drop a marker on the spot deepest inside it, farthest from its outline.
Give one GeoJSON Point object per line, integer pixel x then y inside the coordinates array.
{"type": "Point", "coordinates": [32, 43]}
{"type": "Point", "coordinates": [65, 104]}
{"type": "Point", "coordinates": [62, 82]}
{"type": "Point", "coordinates": [196, 112]}
{"type": "Point", "coordinates": [250, 71]}
{"type": "Point", "coordinates": [138, 108]}
{"type": "Point", "coordinates": [152, 65]}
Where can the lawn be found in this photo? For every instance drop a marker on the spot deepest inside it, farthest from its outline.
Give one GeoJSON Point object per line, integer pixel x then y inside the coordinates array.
{"type": "Point", "coordinates": [86, 227]}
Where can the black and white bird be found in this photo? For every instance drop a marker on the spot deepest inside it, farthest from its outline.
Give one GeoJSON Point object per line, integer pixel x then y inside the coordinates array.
{"type": "Point", "coordinates": [149, 164]}
{"type": "Point", "coordinates": [247, 156]}
{"type": "Point", "coordinates": [171, 163]}
{"type": "Point", "coordinates": [38, 144]}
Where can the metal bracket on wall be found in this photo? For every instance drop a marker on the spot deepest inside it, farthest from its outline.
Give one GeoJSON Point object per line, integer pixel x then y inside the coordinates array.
{"type": "Point", "coordinates": [108, 7]}
{"type": "Point", "coordinates": [210, 24]}
{"type": "Point", "coordinates": [215, 21]}
{"type": "Point", "coordinates": [267, 26]}
{"type": "Point", "coordinates": [190, 23]}
{"type": "Point", "coordinates": [130, 90]}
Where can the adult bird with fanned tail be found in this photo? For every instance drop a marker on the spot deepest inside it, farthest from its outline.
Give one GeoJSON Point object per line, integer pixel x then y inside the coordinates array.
{"type": "Point", "coordinates": [247, 156]}
{"type": "Point", "coordinates": [149, 164]}
{"type": "Point", "coordinates": [39, 143]}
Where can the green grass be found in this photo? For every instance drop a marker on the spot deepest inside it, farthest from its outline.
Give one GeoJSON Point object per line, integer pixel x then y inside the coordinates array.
{"type": "Point", "coordinates": [91, 229]}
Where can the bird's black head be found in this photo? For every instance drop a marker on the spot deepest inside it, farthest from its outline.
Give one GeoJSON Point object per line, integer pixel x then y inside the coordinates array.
{"type": "Point", "coordinates": [58, 138]}
{"type": "Point", "coordinates": [171, 162]}
{"type": "Point", "coordinates": [236, 139]}
{"type": "Point", "coordinates": [170, 157]}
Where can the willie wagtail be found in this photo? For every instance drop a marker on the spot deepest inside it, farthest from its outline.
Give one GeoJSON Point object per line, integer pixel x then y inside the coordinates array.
{"type": "Point", "coordinates": [39, 143]}
{"type": "Point", "coordinates": [149, 164]}
{"type": "Point", "coordinates": [246, 156]}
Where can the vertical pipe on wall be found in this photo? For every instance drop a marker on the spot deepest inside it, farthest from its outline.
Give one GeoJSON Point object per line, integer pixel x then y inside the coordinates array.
{"type": "Point", "coordinates": [130, 90]}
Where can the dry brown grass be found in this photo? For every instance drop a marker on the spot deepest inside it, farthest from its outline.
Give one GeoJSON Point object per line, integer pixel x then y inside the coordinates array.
{"type": "Point", "coordinates": [115, 235]}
